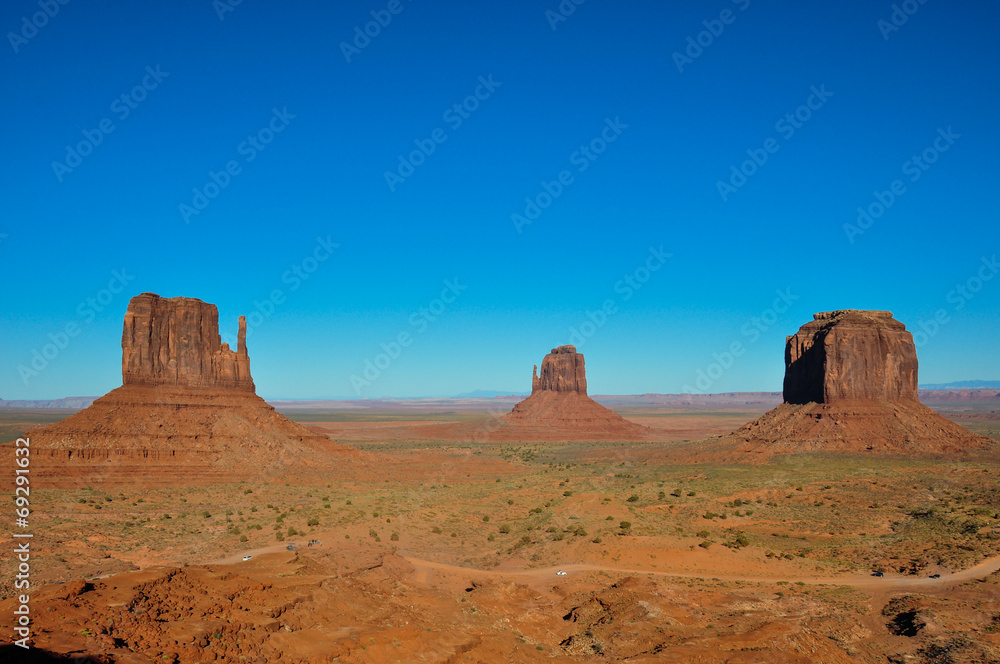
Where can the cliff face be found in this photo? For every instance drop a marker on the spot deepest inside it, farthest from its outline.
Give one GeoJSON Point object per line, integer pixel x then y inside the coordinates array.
{"type": "Point", "coordinates": [175, 341]}
{"type": "Point", "coordinates": [559, 408]}
{"type": "Point", "coordinates": [850, 354]}
{"type": "Point", "coordinates": [563, 370]}
{"type": "Point", "coordinates": [186, 413]}
{"type": "Point", "coordinates": [851, 387]}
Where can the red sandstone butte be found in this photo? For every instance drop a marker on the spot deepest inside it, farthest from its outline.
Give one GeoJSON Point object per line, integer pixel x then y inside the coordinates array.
{"type": "Point", "coordinates": [851, 385]}
{"type": "Point", "coordinates": [176, 341]}
{"type": "Point", "coordinates": [850, 355]}
{"type": "Point", "coordinates": [559, 408]}
{"type": "Point", "coordinates": [563, 370]}
{"type": "Point", "coordinates": [187, 411]}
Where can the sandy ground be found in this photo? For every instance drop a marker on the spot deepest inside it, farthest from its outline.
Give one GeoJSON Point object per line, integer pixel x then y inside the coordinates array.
{"type": "Point", "coordinates": [437, 550]}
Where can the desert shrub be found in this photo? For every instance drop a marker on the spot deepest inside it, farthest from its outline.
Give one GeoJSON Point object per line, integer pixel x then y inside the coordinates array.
{"type": "Point", "coordinates": [486, 518]}
{"type": "Point", "coordinates": [292, 531]}
{"type": "Point", "coordinates": [394, 537]}
{"type": "Point", "coordinates": [436, 530]}
{"type": "Point", "coordinates": [634, 498]}
{"type": "Point", "coordinates": [597, 540]}
{"type": "Point", "coordinates": [580, 531]}
{"type": "Point", "coordinates": [312, 522]}
{"type": "Point", "coordinates": [454, 534]}
{"type": "Point", "coordinates": [504, 529]}
{"type": "Point", "coordinates": [625, 525]}
{"type": "Point", "coordinates": [739, 541]}
{"type": "Point", "coordinates": [703, 534]}
{"type": "Point", "coordinates": [246, 491]}
{"type": "Point", "coordinates": [707, 543]}
{"type": "Point", "coordinates": [372, 532]}
{"type": "Point", "coordinates": [692, 493]}
{"type": "Point", "coordinates": [567, 493]}
{"type": "Point", "coordinates": [243, 538]}
{"type": "Point", "coordinates": [280, 536]}
{"type": "Point", "coordinates": [491, 537]}
{"type": "Point", "coordinates": [535, 510]}
{"type": "Point", "coordinates": [661, 495]}
{"type": "Point", "coordinates": [676, 493]}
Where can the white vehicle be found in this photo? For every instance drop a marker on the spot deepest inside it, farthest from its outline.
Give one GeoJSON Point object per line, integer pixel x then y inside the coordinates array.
{"type": "Point", "coordinates": [560, 573]}
{"type": "Point", "coordinates": [247, 557]}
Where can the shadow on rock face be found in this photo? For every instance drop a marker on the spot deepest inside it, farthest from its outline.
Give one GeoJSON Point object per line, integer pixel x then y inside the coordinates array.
{"type": "Point", "coordinates": [17, 655]}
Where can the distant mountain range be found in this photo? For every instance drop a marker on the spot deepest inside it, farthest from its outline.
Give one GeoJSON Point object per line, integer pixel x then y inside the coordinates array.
{"type": "Point", "coordinates": [965, 385]}
{"type": "Point", "coordinates": [65, 402]}
{"type": "Point", "coordinates": [746, 398]}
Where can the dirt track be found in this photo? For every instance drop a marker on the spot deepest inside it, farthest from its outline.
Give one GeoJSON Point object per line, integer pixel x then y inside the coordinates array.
{"type": "Point", "coordinates": [426, 568]}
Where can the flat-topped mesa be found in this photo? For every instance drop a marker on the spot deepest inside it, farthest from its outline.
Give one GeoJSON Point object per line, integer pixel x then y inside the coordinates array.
{"type": "Point", "coordinates": [850, 354]}
{"type": "Point", "coordinates": [562, 371]}
{"type": "Point", "coordinates": [175, 341]}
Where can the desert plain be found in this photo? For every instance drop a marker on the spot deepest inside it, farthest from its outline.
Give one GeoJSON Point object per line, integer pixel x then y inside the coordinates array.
{"type": "Point", "coordinates": [435, 549]}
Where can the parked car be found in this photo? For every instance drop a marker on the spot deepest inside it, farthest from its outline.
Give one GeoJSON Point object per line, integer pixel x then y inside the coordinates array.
{"type": "Point", "coordinates": [560, 573]}
{"type": "Point", "coordinates": [290, 547]}
{"type": "Point", "coordinates": [247, 557]}
{"type": "Point", "coordinates": [877, 574]}
{"type": "Point", "coordinates": [935, 576]}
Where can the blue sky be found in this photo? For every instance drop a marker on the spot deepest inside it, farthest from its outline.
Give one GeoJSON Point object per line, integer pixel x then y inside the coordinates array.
{"type": "Point", "coordinates": [622, 122]}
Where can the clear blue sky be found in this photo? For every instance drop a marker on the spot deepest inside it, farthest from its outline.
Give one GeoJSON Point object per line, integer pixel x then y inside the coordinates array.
{"type": "Point", "coordinates": [608, 71]}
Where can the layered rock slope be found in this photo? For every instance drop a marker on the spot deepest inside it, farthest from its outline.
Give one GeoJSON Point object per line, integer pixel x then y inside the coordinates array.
{"type": "Point", "coordinates": [851, 385]}
{"type": "Point", "coordinates": [559, 408]}
{"type": "Point", "coordinates": [187, 411]}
